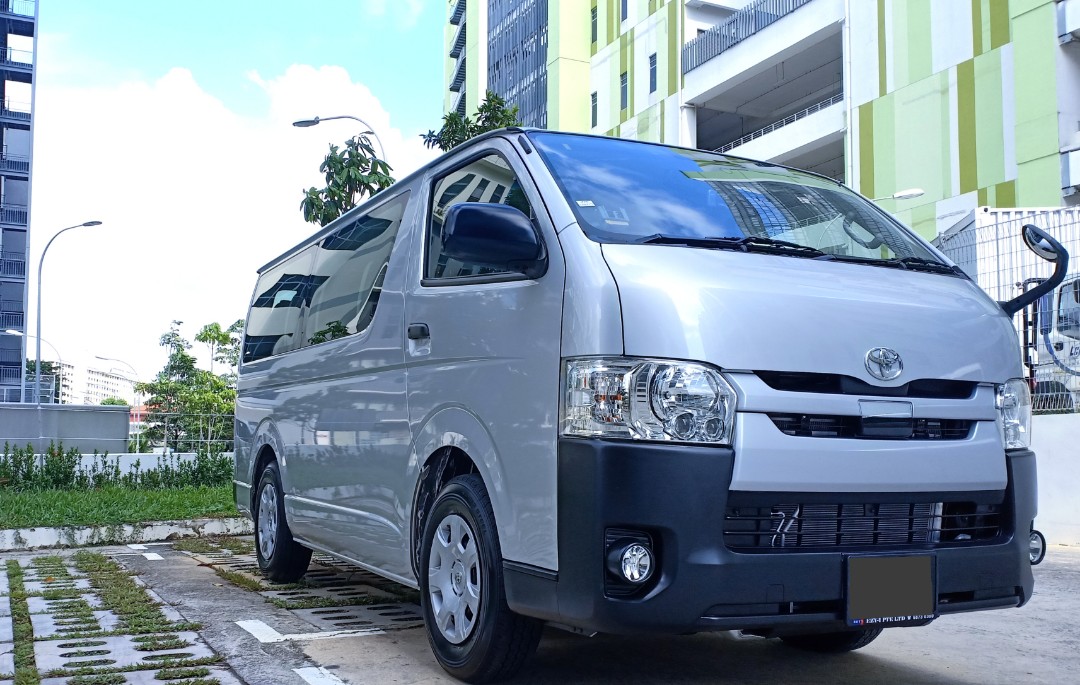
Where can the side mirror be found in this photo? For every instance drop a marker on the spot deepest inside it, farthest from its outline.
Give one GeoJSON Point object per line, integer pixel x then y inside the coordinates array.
{"type": "Point", "coordinates": [1041, 243]}
{"type": "Point", "coordinates": [493, 235]}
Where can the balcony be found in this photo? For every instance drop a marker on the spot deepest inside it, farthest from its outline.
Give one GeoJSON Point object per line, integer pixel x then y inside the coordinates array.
{"type": "Point", "coordinates": [798, 116]}
{"type": "Point", "coordinates": [12, 265]}
{"type": "Point", "coordinates": [458, 46]}
{"type": "Point", "coordinates": [15, 112]}
{"type": "Point", "coordinates": [735, 29]}
{"type": "Point", "coordinates": [14, 320]}
{"type": "Point", "coordinates": [17, 164]}
{"type": "Point", "coordinates": [14, 215]}
{"type": "Point", "coordinates": [458, 82]}
{"type": "Point", "coordinates": [457, 13]}
{"type": "Point", "coordinates": [17, 63]}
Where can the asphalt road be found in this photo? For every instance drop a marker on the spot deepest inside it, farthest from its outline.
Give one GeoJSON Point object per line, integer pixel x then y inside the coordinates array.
{"type": "Point", "coordinates": [1039, 643]}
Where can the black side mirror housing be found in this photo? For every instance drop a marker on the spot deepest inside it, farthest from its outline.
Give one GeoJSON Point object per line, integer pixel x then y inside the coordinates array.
{"type": "Point", "coordinates": [493, 235]}
{"type": "Point", "coordinates": [1042, 244]}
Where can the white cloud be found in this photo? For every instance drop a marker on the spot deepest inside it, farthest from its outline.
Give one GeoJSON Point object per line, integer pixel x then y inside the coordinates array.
{"type": "Point", "coordinates": [194, 198]}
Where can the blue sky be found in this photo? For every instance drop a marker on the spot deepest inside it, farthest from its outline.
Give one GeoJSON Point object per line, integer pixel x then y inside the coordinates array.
{"type": "Point", "coordinates": [170, 123]}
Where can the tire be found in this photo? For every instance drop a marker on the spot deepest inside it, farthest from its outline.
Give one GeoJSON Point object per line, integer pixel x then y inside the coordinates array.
{"type": "Point", "coordinates": [472, 632]}
{"type": "Point", "coordinates": [833, 643]}
{"type": "Point", "coordinates": [1036, 547]}
{"type": "Point", "coordinates": [281, 558]}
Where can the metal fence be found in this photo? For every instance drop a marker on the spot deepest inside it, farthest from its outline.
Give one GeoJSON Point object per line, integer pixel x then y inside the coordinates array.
{"type": "Point", "coordinates": [990, 249]}
{"type": "Point", "coordinates": [170, 432]}
{"type": "Point", "coordinates": [734, 30]}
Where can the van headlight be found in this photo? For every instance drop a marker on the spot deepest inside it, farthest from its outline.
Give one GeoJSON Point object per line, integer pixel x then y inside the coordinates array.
{"type": "Point", "coordinates": [648, 399]}
{"type": "Point", "coordinates": [1014, 413]}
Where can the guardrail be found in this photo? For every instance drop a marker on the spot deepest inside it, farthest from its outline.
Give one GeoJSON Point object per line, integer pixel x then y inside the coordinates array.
{"type": "Point", "coordinates": [11, 320]}
{"type": "Point", "coordinates": [19, 58]}
{"type": "Point", "coordinates": [15, 110]}
{"type": "Point", "coordinates": [735, 29]}
{"type": "Point", "coordinates": [12, 264]}
{"type": "Point", "coordinates": [23, 8]}
{"type": "Point", "coordinates": [14, 163]}
{"type": "Point", "coordinates": [14, 214]}
{"type": "Point", "coordinates": [801, 114]}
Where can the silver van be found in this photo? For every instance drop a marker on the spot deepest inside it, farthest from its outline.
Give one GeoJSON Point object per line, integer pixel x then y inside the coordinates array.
{"type": "Point", "coordinates": [625, 387]}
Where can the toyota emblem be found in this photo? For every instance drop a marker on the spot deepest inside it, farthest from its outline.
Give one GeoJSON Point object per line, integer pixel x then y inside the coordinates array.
{"type": "Point", "coordinates": [883, 363]}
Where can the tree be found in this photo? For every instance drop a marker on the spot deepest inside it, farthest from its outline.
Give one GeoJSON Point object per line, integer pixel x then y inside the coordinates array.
{"type": "Point", "coordinates": [47, 369]}
{"type": "Point", "coordinates": [190, 409]}
{"type": "Point", "coordinates": [114, 402]}
{"type": "Point", "coordinates": [351, 174]}
{"type": "Point", "coordinates": [492, 114]}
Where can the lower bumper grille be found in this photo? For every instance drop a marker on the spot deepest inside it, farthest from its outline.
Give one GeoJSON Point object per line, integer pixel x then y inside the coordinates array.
{"type": "Point", "coordinates": [857, 526]}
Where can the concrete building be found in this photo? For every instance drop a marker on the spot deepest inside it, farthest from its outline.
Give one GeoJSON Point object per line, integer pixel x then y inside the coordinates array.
{"type": "Point", "coordinates": [977, 102]}
{"type": "Point", "coordinates": [18, 19]}
{"type": "Point", "coordinates": [87, 384]}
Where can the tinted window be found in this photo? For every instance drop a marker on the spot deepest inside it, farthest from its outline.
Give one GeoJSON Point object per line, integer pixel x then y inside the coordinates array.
{"type": "Point", "coordinates": [283, 291]}
{"type": "Point", "coordinates": [351, 263]}
{"type": "Point", "coordinates": [488, 179]}
{"type": "Point", "coordinates": [1069, 310]}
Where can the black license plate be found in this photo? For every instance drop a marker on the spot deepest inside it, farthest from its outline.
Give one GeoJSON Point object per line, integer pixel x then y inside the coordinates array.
{"type": "Point", "coordinates": [887, 591]}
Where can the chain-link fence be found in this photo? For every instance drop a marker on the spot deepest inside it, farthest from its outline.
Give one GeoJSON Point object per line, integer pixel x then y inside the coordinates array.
{"type": "Point", "coordinates": [174, 432]}
{"type": "Point", "coordinates": [988, 245]}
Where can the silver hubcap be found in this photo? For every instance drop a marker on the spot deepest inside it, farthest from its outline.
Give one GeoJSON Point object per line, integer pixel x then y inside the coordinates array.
{"type": "Point", "coordinates": [454, 579]}
{"type": "Point", "coordinates": [267, 520]}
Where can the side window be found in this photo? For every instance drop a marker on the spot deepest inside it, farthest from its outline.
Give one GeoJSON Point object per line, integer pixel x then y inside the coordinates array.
{"type": "Point", "coordinates": [273, 324]}
{"type": "Point", "coordinates": [350, 264]}
{"type": "Point", "coordinates": [488, 179]}
{"type": "Point", "coordinates": [1069, 310]}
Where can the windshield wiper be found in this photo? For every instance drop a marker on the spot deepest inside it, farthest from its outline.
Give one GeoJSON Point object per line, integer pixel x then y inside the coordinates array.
{"type": "Point", "coordinates": [911, 263]}
{"type": "Point", "coordinates": [745, 243]}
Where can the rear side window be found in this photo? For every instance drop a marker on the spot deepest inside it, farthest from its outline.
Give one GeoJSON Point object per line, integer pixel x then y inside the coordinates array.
{"type": "Point", "coordinates": [488, 179]}
{"type": "Point", "coordinates": [350, 265]}
{"type": "Point", "coordinates": [283, 291]}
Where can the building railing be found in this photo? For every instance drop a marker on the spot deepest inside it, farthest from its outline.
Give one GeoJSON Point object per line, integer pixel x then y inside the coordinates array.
{"type": "Point", "coordinates": [458, 12]}
{"type": "Point", "coordinates": [458, 45]}
{"type": "Point", "coordinates": [11, 306]}
{"type": "Point", "coordinates": [14, 163]}
{"type": "Point", "coordinates": [23, 8]}
{"type": "Point", "coordinates": [12, 264]}
{"type": "Point", "coordinates": [19, 58]}
{"type": "Point", "coordinates": [11, 320]}
{"type": "Point", "coordinates": [10, 356]}
{"type": "Point", "coordinates": [735, 29]}
{"type": "Point", "coordinates": [15, 110]}
{"type": "Point", "coordinates": [459, 76]}
{"type": "Point", "coordinates": [14, 214]}
{"type": "Point", "coordinates": [801, 114]}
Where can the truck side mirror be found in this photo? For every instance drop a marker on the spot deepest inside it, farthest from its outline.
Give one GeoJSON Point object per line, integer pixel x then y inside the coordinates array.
{"type": "Point", "coordinates": [493, 235]}
{"type": "Point", "coordinates": [1041, 243]}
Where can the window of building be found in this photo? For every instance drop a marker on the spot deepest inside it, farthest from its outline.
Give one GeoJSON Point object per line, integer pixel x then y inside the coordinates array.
{"type": "Point", "coordinates": [488, 177]}
{"type": "Point", "coordinates": [594, 25]}
{"type": "Point", "coordinates": [625, 9]}
{"type": "Point", "coordinates": [624, 91]}
{"type": "Point", "coordinates": [594, 110]}
{"type": "Point", "coordinates": [352, 263]}
{"type": "Point", "coordinates": [652, 73]}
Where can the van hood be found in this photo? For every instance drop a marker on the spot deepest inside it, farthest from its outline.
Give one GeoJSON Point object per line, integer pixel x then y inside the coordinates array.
{"type": "Point", "coordinates": [760, 312]}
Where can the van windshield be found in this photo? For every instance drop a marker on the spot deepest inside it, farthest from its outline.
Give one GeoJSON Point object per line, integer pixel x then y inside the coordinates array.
{"type": "Point", "coordinates": [628, 192]}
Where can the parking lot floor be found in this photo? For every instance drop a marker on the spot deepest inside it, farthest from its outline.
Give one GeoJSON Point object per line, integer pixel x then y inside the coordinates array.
{"type": "Point", "coordinates": [343, 625]}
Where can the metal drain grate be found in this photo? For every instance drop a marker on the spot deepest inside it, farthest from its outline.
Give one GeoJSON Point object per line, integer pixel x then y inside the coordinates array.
{"type": "Point", "coordinates": [346, 594]}
{"type": "Point", "coordinates": [376, 617]}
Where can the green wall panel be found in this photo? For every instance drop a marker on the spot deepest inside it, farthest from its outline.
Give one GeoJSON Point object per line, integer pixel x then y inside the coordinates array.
{"type": "Point", "coordinates": [966, 123]}
{"type": "Point", "coordinates": [989, 134]}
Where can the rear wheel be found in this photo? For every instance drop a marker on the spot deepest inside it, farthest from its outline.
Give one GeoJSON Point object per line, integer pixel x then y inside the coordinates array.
{"type": "Point", "coordinates": [473, 633]}
{"type": "Point", "coordinates": [834, 643]}
{"type": "Point", "coordinates": [281, 558]}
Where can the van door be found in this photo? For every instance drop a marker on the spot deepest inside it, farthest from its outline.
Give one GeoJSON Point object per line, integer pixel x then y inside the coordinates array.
{"type": "Point", "coordinates": [486, 377]}
{"type": "Point", "coordinates": [347, 399]}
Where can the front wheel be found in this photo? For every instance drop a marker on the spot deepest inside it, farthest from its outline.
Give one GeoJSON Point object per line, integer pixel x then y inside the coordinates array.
{"type": "Point", "coordinates": [1036, 547]}
{"type": "Point", "coordinates": [833, 643]}
{"type": "Point", "coordinates": [473, 633]}
{"type": "Point", "coordinates": [281, 558]}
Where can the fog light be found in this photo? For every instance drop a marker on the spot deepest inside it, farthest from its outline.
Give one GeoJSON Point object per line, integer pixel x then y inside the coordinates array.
{"type": "Point", "coordinates": [633, 562]}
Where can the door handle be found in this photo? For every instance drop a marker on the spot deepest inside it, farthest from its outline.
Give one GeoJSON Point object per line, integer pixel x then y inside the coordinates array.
{"type": "Point", "coordinates": [419, 331]}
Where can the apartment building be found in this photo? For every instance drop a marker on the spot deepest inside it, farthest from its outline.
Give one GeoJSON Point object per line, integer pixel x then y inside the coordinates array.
{"type": "Point", "coordinates": [975, 102]}
{"type": "Point", "coordinates": [18, 19]}
{"type": "Point", "coordinates": [88, 384]}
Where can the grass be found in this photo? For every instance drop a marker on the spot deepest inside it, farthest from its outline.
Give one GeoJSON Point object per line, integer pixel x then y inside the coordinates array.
{"type": "Point", "coordinates": [26, 672]}
{"type": "Point", "coordinates": [113, 506]}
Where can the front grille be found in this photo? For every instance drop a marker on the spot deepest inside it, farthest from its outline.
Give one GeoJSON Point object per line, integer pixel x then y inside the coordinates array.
{"type": "Point", "coordinates": [828, 426]}
{"type": "Point", "coordinates": [837, 384]}
{"type": "Point", "coordinates": [856, 526]}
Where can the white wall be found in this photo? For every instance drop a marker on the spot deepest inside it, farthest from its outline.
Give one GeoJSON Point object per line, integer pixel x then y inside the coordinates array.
{"type": "Point", "coordinates": [1054, 439]}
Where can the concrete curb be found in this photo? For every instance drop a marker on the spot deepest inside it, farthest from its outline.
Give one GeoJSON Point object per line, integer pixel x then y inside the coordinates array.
{"type": "Point", "coordinates": [23, 539]}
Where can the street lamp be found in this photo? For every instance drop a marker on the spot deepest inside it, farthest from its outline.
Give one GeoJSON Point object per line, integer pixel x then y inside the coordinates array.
{"type": "Point", "coordinates": [305, 123]}
{"type": "Point", "coordinates": [59, 358]}
{"type": "Point", "coordinates": [134, 379]}
{"type": "Point", "coordinates": [41, 263]}
{"type": "Point", "coordinates": [908, 194]}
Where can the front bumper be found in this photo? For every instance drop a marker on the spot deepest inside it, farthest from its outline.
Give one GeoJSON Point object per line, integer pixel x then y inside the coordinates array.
{"type": "Point", "coordinates": [679, 494]}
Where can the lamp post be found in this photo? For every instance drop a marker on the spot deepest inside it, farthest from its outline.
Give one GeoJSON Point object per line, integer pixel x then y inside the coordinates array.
{"type": "Point", "coordinates": [909, 194]}
{"type": "Point", "coordinates": [135, 396]}
{"type": "Point", "coordinates": [305, 123]}
{"type": "Point", "coordinates": [59, 359]}
{"type": "Point", "coordinates": [41, 263]}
